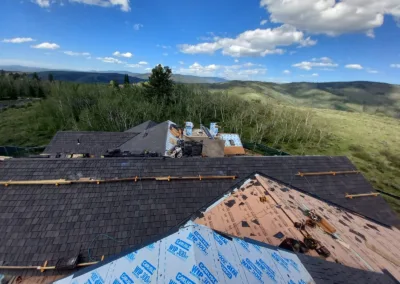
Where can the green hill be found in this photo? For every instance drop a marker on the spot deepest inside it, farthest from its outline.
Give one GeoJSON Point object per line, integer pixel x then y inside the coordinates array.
{"type": "Point", "coordinates": [368, 97]}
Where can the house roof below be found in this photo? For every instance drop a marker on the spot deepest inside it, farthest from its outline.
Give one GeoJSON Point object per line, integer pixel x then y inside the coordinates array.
{"type": "Point", "coordinates": [81, 142]}
{"type": "Point", "coordinates": [47, 222]}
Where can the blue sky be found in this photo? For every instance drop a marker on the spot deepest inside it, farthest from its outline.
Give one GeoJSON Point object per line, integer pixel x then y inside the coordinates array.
{"type": "Point", "coordinates": [268, 40]}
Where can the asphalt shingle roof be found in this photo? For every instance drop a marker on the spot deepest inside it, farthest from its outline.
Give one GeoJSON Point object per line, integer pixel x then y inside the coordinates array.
{"type": "Point", "coordinates": [92, 142]}
{"type": "Point", "coordinates": [46, 222]}
{"type": "Point", "coordinates": [153, 139]}
{"type": "Point", "coordinates": [326, 272]}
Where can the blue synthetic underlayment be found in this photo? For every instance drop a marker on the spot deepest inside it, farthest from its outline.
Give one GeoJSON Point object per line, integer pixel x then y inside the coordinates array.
{"type": "Point", "coordinates": [197, 254]}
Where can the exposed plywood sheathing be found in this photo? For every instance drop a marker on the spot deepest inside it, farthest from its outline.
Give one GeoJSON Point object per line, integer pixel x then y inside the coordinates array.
{"type": "Point", "coordinates": [234, 150]}
{"type": "Point", "coordinates": [361, 243]}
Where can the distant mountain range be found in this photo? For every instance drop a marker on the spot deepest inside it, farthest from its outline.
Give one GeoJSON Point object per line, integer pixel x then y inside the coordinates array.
{"type": "Point", "coordinates": [105, 76]}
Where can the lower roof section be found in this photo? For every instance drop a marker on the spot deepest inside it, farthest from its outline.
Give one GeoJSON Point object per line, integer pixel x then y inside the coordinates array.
{"type": "Point", "coordinates": [268, 211]}
{"type": "Point", "coordinates": [197, 254]}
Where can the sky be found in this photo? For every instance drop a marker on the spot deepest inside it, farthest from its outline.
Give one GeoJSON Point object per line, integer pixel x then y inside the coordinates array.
{"type": "Point", "coordinates": [264, 40]}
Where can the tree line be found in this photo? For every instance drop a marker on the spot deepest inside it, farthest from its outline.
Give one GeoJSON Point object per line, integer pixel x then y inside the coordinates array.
{"type": "Point", "coordinates": [98, 107]}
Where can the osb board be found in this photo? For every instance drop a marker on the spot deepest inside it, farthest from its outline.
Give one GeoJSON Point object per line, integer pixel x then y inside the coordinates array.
{"type": "Point", "coordinates": [348, 225]}
{"type": "Point", "coordinates": [234, 150]}
{"type": "Point", "coordinates": [211, 147]}
{"type": "Point", "coordinates": [243, 214]}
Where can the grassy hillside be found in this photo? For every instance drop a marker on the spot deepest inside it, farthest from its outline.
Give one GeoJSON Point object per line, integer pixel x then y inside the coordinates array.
{"type": "Point", "coordinates": [367, 97]}
{"type": "Point", "coordinates": [371, 142]}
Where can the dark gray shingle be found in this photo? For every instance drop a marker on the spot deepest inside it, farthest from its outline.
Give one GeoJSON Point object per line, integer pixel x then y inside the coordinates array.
{"type": "Point", "coordinates": [81, 142]}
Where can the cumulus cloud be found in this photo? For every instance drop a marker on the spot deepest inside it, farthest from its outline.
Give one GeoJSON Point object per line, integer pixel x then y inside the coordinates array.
{"type": "Point", "coordinates": [259, 42]}
{"type": "Point", "coordinates": [137, 27]}
{"type": "Point", "coordinates": [227, 71]}
{"type": "Point", "coordinates": [123, 4]}
{"type": "Point", "coordinates": [46, 45]}
{"type": "Point", "coordinates": [119, 54]}
{"type": "Point", "coordinates": [354, 66]}
{"type": "Point", "coordinates": [332, 17]}
{"type": "Point", "coordinates": [320, 63]}
{"type": "Point", "coordinates": [110, 60]}
{"type": "Point", "coordinates": [181, 62]}
{"type": "Point", "coordinates": [395, 65]}
{"type": "Point", "coordinates": [287, 72]}
{"type": "Point", "coordinates": [18, 40]}
{"type": "Point", "coordinates": [71, 53]}
{"type": "Point", "coordinates": [263, 22]}
{"type": "Point", "coordinates": [143, 63]}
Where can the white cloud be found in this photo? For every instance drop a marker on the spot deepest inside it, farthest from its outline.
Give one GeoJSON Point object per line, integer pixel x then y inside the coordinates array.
{"type": "Point", "coordinates": [163, 46]}
{"type": "Point", "coordinates": [165, 54]}
{"type": "Point", "coordinates": [147, 69]}
{"type": "Point", "coordinates": [18, 40]}
{"type": "Point", "coordinates": [236, 60]}
{"type": "Point", "coordinates": [46, 45]}
{"type": "Point", "coordinates": [110, 60]}
{"type": "Point", "coordinates": [372, 71]}
{"type": "Point", "coordinates": [143, 63]}
{"type": "Point", "coordinates": [287, 72]}
{"type": "Point", "coordinates": [320, 63]}
{"type": "Point", "coordinates": [181, 62]}
{"type": "Point", "coordinates": [123, 4]}
{"type": "Point", "coordinates": [43, 3]}
{"type": "Point", "coordinates": [314, 74]}
{"type": "Point", "coordinates": [395, 65]}
{"type": "Point", "coordinates": [71, 53]}
{"type": "Point", "coordinates": [263, 22]}
{"type": "Point", "coordinates": [133, 65]}
{"type": "Point", "coordinates": [354, 66]}
{"type": "Point", "coordinates": [119, 54]}
{"type": "Point", "coordinates": [370, 33]}
{"type": "Point", "coordinates": [259, 42]}
{"type": "Point", "coordinates": [137, 27]}
{"type": "Point", "coordinates": [331, 17]}
{"type": "Point", "coordinates": [226, 71]}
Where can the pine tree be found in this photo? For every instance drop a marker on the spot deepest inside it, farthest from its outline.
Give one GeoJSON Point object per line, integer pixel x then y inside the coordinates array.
{"type": "Point", "coordinates": [35, 76]}
{"type": "Point", "coordinates": [126, 79]}
{"type": "Point", "coordinates": [160, 83]}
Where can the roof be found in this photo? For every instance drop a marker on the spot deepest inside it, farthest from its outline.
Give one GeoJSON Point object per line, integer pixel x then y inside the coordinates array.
{"type": "Point", "coordinates": [46, 222]}
{"type": "Point", "coordinates": [81, 142]}
{"type": "Point", "coordinates": [326, 272]}
{"type": "Point", "coordinates": [267, 211]}
{"type": "Point", "coordinates": [197, 254]}
{"type": "Point", "coordinates": [154, 139]}
{"type": "Point", "coordinates": [142, 127]}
